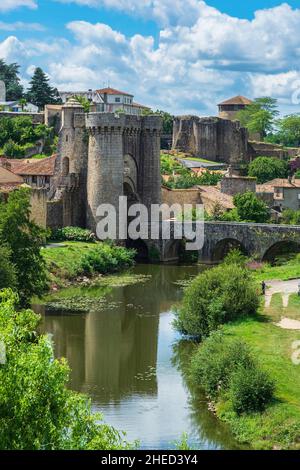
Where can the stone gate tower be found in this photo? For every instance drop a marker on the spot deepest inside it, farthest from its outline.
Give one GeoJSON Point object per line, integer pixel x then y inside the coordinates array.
{"type": "Point", "coordinates": [101, 157]}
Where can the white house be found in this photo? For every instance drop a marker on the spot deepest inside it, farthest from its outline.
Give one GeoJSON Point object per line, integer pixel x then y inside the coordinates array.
{"type": "Point", "coordinates": [108, 100]}
{"type": "Point", "coordinates": [14, 106]}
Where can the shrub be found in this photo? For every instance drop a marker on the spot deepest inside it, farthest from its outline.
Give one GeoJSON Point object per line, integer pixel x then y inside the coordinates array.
{"type": "Point", "coordinates": [73, 234]}
{"type": "Point", "coordinates": [8, 276]}
{"type": "Point", "coordinates": [251, 389]}
{"type": "Point", "coordinates": [266, 169]}
{"type": "Point", "coordinates": [216, 360]}
{"type": "Point", "coordinates": [235, 257]}
{"type": "Point", "coordinates": [105, 259]}
{"type": "Point", "coordinates": [250, 208]}
{"type": "Point", "coordinates": [13, 150]}
{"type": "Point", "coordinates": [217, 296]}
{"type": "Point", "coordinates": [188, 180]}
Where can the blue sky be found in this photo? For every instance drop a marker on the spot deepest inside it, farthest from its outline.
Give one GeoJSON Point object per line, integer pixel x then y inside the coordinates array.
{"type": "Point", "coordinates": [180, 55]}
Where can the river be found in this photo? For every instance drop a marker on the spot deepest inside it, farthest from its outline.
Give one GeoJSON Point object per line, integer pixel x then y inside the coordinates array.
{"type": "Point", "coordinates": [126, 356]}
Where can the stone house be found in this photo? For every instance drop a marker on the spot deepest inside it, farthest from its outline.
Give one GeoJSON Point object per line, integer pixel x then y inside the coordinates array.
{"type": "Point", "coordinates": [33, 172]}
{"type": "Point", "coordinates": [285, 193]}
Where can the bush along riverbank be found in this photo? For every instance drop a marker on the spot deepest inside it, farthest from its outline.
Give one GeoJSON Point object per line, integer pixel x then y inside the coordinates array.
{"type": "Point", "coordinates": [69, 262]}
{"type": "Point", "coordinates": [244, 360]}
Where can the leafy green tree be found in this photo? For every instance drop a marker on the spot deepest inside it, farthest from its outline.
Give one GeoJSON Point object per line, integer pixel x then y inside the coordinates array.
{"type": "Point", "coordinates": [9, 74]}
{"type": "Point", "coordinates": [215, 297]}
{"type": "Point", "coordinates": [40, 92]}
{"type": "Point", "coordinates": [84, 102]}
{"type": "Point", "coordinates": [291, 217]}
{"type": "Point", "coordinates": [8, 276]}
{"type": "Point", "coordinates": [24, 238]}
{"type": "Point", "coordinates": [259, 116]}
{"type": "Point", "coordinates": [250, 208]}
{"type": "Point", "coordinates": [37, 410]}
{"type": "Point", "coordinates": [167, 119]}
{"type": "Point", "coordinates": [288, 131]}
{"type": "Point", "coordinates": [266, 169]}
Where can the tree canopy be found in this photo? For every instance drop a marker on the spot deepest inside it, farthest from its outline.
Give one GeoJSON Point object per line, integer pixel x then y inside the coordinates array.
{"type": "Point", "coordinates": [9, 74]}
{"type": "Point", "coordinates": [266, 169]}
{"type": "Point", "coordinates": [40, 92]}
{"type": "Point", "coordinates": [259, 116]}
{"type": "Point", "coordinates": [23, 238]}
{"type": "Point", "coordinates": [250, 208]}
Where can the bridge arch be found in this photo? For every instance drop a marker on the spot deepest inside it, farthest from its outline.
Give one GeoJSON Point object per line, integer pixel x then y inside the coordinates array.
{"type": "Point", "coordinates": [224, 246]}
{"type": "Point", "coordinates": [281, 248]}
{"type": "Point", "coordinates": [142, 250]}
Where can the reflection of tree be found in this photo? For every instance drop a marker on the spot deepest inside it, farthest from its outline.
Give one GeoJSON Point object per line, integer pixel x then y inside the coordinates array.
{"type": "Point", "coordinates": [208, 427]}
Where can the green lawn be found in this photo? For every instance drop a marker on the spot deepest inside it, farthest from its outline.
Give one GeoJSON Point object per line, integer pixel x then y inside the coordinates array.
{"type": "Point", "coordinates": [279, 425]}
{"type": "Point", "coordinates": [287, 270]}
{"type": "Point", "coordinates": [63, 263]}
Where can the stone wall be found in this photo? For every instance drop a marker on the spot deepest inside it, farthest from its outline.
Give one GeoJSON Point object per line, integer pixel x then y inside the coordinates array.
{"type": "Point", "coordinates": [212, 138]}
{"type": "Point", "coordinates": [264, 149]}
{"type": "Point", "coordinates": [38, 201]}
{"type": "Point", "coordinates": [37, 118]}
{"type": "Point", "coordinates": [181, 196]}
{"type": "Point", "coordinates": [237, 184]}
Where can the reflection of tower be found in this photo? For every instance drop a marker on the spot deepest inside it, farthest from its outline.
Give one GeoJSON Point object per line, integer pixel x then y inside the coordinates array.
{"type": "Point", "coordinates": [69, 342]}
{"type": "Point", "coordinates": [120, 346]}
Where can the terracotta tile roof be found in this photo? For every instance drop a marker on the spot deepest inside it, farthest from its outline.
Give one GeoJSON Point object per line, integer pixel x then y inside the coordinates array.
{"type": "Point", "coordinates": [8, 177]}
{"type": "Point", "coordinates": [33, 167]}
{"type": "Point", "coordinates": [112, 91]}
{"type": "Point", "coordinates": [277, 183]}
{"type": "Point", "coordinates": [236, 100]}
{"type": "Point", "coordinates": [137, 105]}
{"type": "Point", "coordinates": [213, 194]}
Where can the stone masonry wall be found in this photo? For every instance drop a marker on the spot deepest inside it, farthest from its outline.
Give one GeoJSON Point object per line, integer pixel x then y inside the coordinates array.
{"type": "Point", "coordinates": [212, 138]}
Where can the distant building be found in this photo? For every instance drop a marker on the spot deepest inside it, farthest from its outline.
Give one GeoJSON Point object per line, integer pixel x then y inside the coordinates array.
{"type": "Point", "coordinates": [108, 100]}
{"type": "Point", "coordinates": [285, 193]}
{"type": "Point", "coordinates": [228, 109]}
{"type": "Point", "coordinates": [14, 106]}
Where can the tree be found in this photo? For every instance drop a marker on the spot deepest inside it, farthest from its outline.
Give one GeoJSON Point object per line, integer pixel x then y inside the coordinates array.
{"type": "Point", "coordinates": [9, 74]}
{"type": "Point", "coordinates": [37, 410]}
{"type": "Point", "coordinates": [167, 119]}
{"type": "Point", "coordinates": [84, 102]}
{"type": "Point", "coordinates": [24, 239]}
{"type": "Point", "coordinates": [250, 208]}
{"type": "Point", "coordinates": [266, 169]}
{"type": "Point", "coordinates": [288, 131]}
{"type": "Point", "coordinates": [259, 116]}
{"type": "Point", "coordinates": [40, 92]}
{"type": "Point", "coordinates": [8, 276]}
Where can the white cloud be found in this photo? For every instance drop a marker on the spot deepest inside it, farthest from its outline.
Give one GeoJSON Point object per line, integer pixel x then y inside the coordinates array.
{"type": "Point", "coordinates": [163, 11]}
{"type": "Point", "coordinates": [193, 65]}
{"type": "Point", "coordinates": [20, 26]}
{"type": "Point", "coordinates": [6, 5]}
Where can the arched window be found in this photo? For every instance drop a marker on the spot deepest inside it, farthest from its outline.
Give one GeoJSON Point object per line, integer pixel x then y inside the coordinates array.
{"type": "Point", "coordinates": [65, 166]}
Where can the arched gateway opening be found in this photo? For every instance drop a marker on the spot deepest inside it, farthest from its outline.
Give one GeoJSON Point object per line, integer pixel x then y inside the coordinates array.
{"type": "Point", "coordinates": [142, 252]}
{"type": "Point", "coordinates": [223, 247]}
{"type": "Point", "coordinates": [284, 248]}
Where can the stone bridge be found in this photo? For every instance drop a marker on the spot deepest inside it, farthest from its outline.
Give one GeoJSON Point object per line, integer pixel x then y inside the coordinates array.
{"type": "Point", "coordinates": [261, 241]}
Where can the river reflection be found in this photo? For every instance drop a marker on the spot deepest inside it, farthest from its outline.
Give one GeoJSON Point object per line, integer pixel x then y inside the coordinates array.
{"type": "Point", "coordinates": [127, 357]}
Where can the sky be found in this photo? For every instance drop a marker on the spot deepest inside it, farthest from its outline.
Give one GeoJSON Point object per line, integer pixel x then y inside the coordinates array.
{"type": "Point", "coordinates": [182, 56]}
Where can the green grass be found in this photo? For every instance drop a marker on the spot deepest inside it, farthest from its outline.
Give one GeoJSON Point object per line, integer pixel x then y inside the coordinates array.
{"type": "Point", "coordinates": [64, 263]}
{"type": "Point", "coordinates": [276, 311]}
{"type": "Point", "coordinates": [279, 425]}
{"type": "Point", "coordinates": [287, 270]}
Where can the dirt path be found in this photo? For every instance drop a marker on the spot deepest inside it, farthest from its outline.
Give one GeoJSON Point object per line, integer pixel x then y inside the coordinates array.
{"type": "Point", "coordinates": [285, 288]}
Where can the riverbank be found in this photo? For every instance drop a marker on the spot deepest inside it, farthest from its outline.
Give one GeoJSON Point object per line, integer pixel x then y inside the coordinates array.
{"type": "Point", "coordinates": [71, 263]}
{"type": "Point", "coordinates": [278, 427]}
